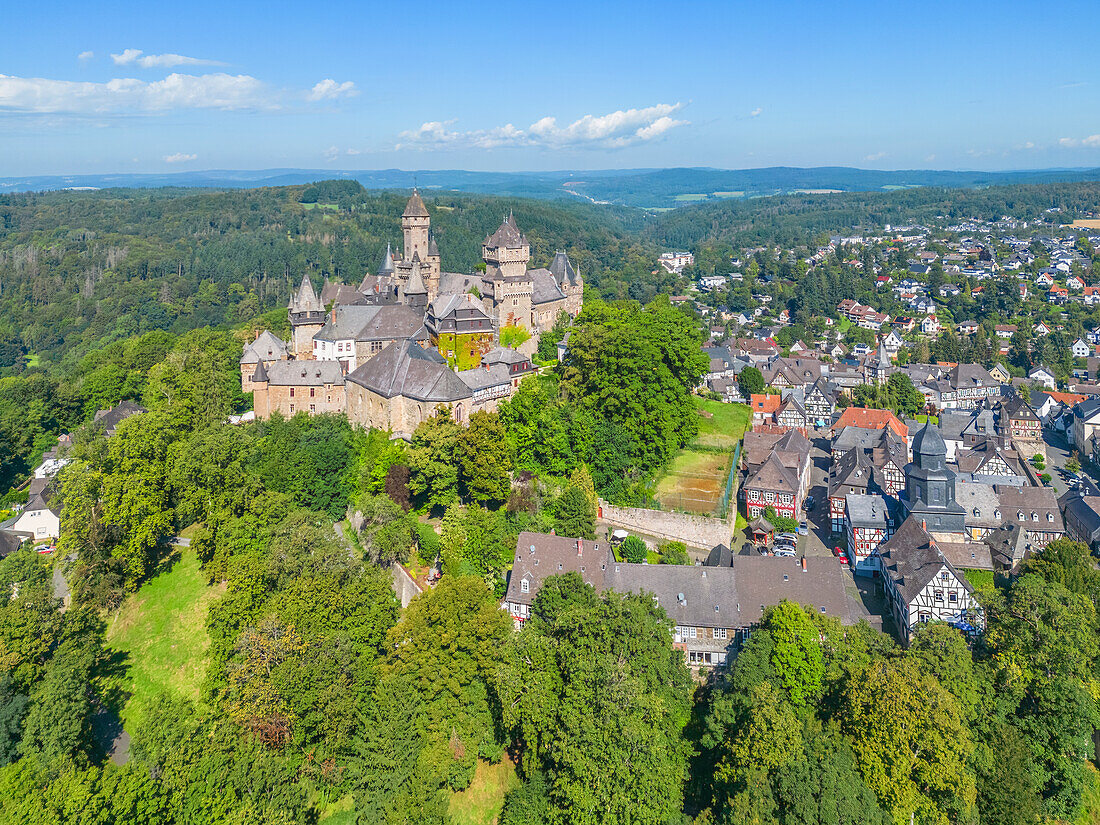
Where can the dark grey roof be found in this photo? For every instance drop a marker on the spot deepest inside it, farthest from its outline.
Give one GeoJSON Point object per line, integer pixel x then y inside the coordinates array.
{"type": "Point", "coordinates": [970, 375]}
{"type": "Point", "coordinates": [562, 269]}
{"type": "Point", "coordinates": [866, 510]}
{"type": "Point", "coordinates": [539, 556]}
{"type": "Point", "coordinates": [407, 369]}
{"type": "Point", "coordinates": [929, 442]}
{"type": "Point", "coordinates": [508, 235]}
{"type": "Point", "coordinates": [10, 541]}
{"type": "Point", "coordinates": [386, 267]}
{"type": "Point", "coordinates": [773, 475]}
{"type": "Point", "coordinates": [544, 287]}
{"type": "Point", "coordinates": [433, 247]}
{"type": "Point", "coordinates": [383, 322]}
{"type": "Point", "coordinates": [912, 559]}
{"type": "Point", "coordinates": [1036, 503]}
{"type": "Point", "coordinates": [415, 284]}
{"type": "Point", "coordinates": [261, 373]}
{"type": "Point", "coordinates": [487, 375]}
{"type": "Point", "coordinates": [304, 373]}
{"type": "Point", "coordinates": [110, 419]}
{"type": "Point", "coordinates": [719, 556]}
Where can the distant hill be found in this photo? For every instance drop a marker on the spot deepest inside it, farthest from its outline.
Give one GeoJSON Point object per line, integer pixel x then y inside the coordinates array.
{"type": "Point", "coordinates": [653, 189]}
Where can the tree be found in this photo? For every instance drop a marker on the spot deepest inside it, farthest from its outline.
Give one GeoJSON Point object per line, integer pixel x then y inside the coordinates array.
{"type": "Point", "coordinates": [675, 552]}
{"type": "Point", "coordinates": [796, 655]}
{"type": "Point", "coordinates": [512, 336]}
{"type": "Point", "coordinates": [484, 458]}
{"type": "Point", "coordinates": [1073, 466]}
{"type": "Point", "coordinates": [634, 550]}
{"type": "Point", "coordinates": [750, 381]}
{"type": "Point", "coordinates": [574, 514]}
{"type": "Point", "coordinates": [433, 464]}
{"type": "Point", "coordinates": [598, 698]}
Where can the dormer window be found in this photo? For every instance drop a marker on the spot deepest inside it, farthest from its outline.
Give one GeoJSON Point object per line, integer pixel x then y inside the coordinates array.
{"type": "Point", "coordinates": [1050, 517]}
{"type": "Point", "coordinates": [1034, 516]}
{"type": "Point", "coordinates": [1019, 515]}
{"type": "Point", "coordinates": [997, 514]}
{"type": "Point", "coordinates": [524, 586]}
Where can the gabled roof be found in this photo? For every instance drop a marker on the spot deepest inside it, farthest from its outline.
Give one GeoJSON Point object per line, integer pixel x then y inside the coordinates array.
{"type": "Point", "coordinates": [544, 287]}
{"type": "Point", "coordinates": [266, 347]}
{"type": "Point", "coordinates": [405, 368]}
{"type": "Point", "coordinates": [110, 419]}
{"type": "Point", "coordinates": [774, 475]}
{"type": "Point", "coordinates": [303, 373]}
{"type": "Point", "coordinates": [911, 559]}
{"type": "Point", "coordinates": [870, 419]}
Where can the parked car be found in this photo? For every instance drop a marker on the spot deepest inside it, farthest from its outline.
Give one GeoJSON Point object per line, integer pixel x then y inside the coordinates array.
{"type": "Point", "coordinates": [790, 536]}
{"type": "Point", "coordinates": [843, 557]}
{"type": "Point", "coordinates": [803, 528]}
{"type": "Point", "coordinates": [808, 504]}
{"type": "Point", "coordinates": [785, 552]}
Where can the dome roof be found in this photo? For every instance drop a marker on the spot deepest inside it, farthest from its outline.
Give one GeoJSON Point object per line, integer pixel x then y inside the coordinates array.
{"type": "Point", "coordinates": [929, 441]}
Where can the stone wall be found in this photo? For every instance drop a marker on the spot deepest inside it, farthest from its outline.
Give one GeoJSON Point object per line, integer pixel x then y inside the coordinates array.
{"type": "Point", "coordinates": [701, 532]}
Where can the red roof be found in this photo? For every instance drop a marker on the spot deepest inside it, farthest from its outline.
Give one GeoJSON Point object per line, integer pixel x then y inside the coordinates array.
{"type": "Point", "coordinates": [765, 403]}
{"type": "Point", "coordinates": [870, 419]}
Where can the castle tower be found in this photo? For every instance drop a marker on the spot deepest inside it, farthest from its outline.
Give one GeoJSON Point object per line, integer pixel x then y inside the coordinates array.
{"type": "Point", "coordinates": [416, 226]}
{"type": "Point", "coordinates": [506, 251]}
{"type": "Point", "coordinates": [307, 316]}
{"type": "Point", "coordinates": [569, 281]}
{"type": "Point", "coordinates": [261, 401]}
{"type": "Point", "coordinates": [930, 485]}
{"type": "Point", "coordinates": [414, 293]}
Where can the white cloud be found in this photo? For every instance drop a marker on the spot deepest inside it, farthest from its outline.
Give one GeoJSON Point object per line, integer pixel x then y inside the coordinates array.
{"type": "Point", "coordinates": [1092, 142]}
{"type": "Point", "coordinates": [179, 157]}
{"type": "Point", "coordinates": [930, 158]}
{"type": "Point", "coordinates": [85, 56]}
{"type": "Point", "coordinates": [329, 89]}
{"type": "Point", "coordinates": [333, 153]}
{"type": "Point", "coordinates": [875, 156]}
{"type": "Point", "coordinates": [159, 61]}
{"type": "Point", "coordinates": [129, 95]}
{"type": "Point", "coordinates": [610, 131]}
{"type": "Point", "coordinates": [759, 110]}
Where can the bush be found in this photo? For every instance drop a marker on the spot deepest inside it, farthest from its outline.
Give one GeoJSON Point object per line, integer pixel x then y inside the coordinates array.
{"type": "Point", "coordinates": [675, 552]}
{"type": "Point", "coordinates": [427, 543]}
{"type": "Point", "coordinates": [1045, 478]}
{"type": "Point", "coordinates": [634, 549]}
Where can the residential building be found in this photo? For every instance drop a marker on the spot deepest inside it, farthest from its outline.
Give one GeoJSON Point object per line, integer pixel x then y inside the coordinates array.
{"type": "Point", "coordinates": [868, 523]}
{"type": "Point", "coordinates": [291, 387]}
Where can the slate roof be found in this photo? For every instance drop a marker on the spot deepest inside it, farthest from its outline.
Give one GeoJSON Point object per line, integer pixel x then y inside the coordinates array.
{"type": "Point", "coordinates": [975, 459]}
{"type": "Point", "coordinates": [508, 235]}
{"type": "Point", "coordinates": [970, 375]}
{"type": "Point", "coordinates": [544, 287]}
{"type": "Point", "coordinates": [10, 541]}
{"type": "Point", "coordinates": [851, 473]}
{"type": "Point", "coordinates": [967, 555]}
{"type": "Point", "coordinates": [266, 347]}
{"type": "Point", "coordinates": [562, 269]}
{"type": "Point", "coordinates": [539, 555]}
{"type": "Point", "coordinates": [302, 373]}
{"type": "Point", "coordinates": [773, 475]}
{"type": "Point", "coordinates": [1039, 501]}
{"type": "Point", "coordinates": [415, 208]}
{"type": "Point", "coordinates": [110, 419]}
{"type": "Point", "coordinates": [720, 556]}
{"type": "Point", "coordinates": [911, 558]}
{"type": "Point", "coordinates": [371, 323]}
{"type": "Point", "coordinates": [485, 376]}
{"type": "Point", "coordinates": [866, 510]}
{"type": "Point", "coordinates": [407, 369]}
{"type": "Point", "coordinates": [305, 299]}
{"type": "Point", "coordinates": [734, 596]}
{"type": "Point", "coordinates": [386, 267]}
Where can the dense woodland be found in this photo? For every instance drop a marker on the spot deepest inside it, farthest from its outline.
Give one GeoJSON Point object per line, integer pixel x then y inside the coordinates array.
{"type": "Point", "coordinates": [323, 701]}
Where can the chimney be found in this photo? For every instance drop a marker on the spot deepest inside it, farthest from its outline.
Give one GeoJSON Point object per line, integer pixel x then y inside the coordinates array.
{"type": "Point", "coordinates": [580, 548]}
{"type": "Point", "coordinates": [803, 564]}
{"type": "Point", "coordinates": [923, 524]}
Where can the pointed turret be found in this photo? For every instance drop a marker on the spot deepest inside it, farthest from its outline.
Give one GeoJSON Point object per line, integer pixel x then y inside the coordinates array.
{"type": "Point", "coordinates": [415, 208]}
{"type": "Point", "coordinates": [386, 267]}
{"type": "Point", "coordinates": [260, 374]}
{"type": "Point", "coordinates": [306, 300]}
{"type": "Point", "coordinates": [433, 249]}
{"type": "Point", "coordinates": [883, 355]}
{"type": "Point", "coordinates": [415, 294]}
{"type": "Point", "coordinates": [562, 269]}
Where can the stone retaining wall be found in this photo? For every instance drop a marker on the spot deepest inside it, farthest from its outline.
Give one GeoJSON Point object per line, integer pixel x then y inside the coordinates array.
{"type": "Point", "coordinates": [702, 532]}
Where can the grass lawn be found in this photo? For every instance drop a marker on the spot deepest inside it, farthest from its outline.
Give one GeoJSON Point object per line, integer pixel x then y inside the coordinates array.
{"type": "Point", "coordinates": [482, 802]}
{"type": "Point", "coordinates": [163, 629]}
{"type": "Point", "coordinates": [725, 426]}
{"type": "Point", "coordinates": [1090, 797]}
{"type": "Point", "coordinates": [33, 359]}
{"type": "Point", "coordinates": [689, 197]}
{"type": "Point", "coordinates": [843, 324]}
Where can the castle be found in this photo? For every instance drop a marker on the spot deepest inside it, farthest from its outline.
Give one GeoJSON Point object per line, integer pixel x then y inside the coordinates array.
{"type": "Point", "coordinates": [439, 332]}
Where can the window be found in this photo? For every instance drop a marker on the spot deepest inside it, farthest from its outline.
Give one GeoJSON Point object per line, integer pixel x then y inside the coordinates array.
{"type": "Point", "coordinates": [1050, 516]}
{"type": "Point", "coordinates": [720, 633]}
{"type": "Point", "coordinates": [939, 595]}
{"type": "Point", "coordinates": [1034, 516]}
{"type": "Point", "coordinates": [953, 597]}
{"type": "Point", "coordinates": [944, 576]}
{"type": "Point", "coordinates": [692, 631]}
{"type": "Point", "coordinates": [312, 391]}
{"type": "Point", "coordinates": [524, 586]}
{"type": "Point", "coordinates": [292, 392]}
{"type": "Point", "coordinates": [312, 408]}
{"type": "Point", "coordinates": [292, 408]}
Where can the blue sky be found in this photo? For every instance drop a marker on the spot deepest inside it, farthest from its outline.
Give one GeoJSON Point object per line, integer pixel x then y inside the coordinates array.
{"type": "Point", "coordinates": [127, 87]}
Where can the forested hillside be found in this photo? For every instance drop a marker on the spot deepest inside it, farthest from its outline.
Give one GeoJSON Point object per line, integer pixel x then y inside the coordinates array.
{"type": "Point", "coordinates": [80, 269]}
